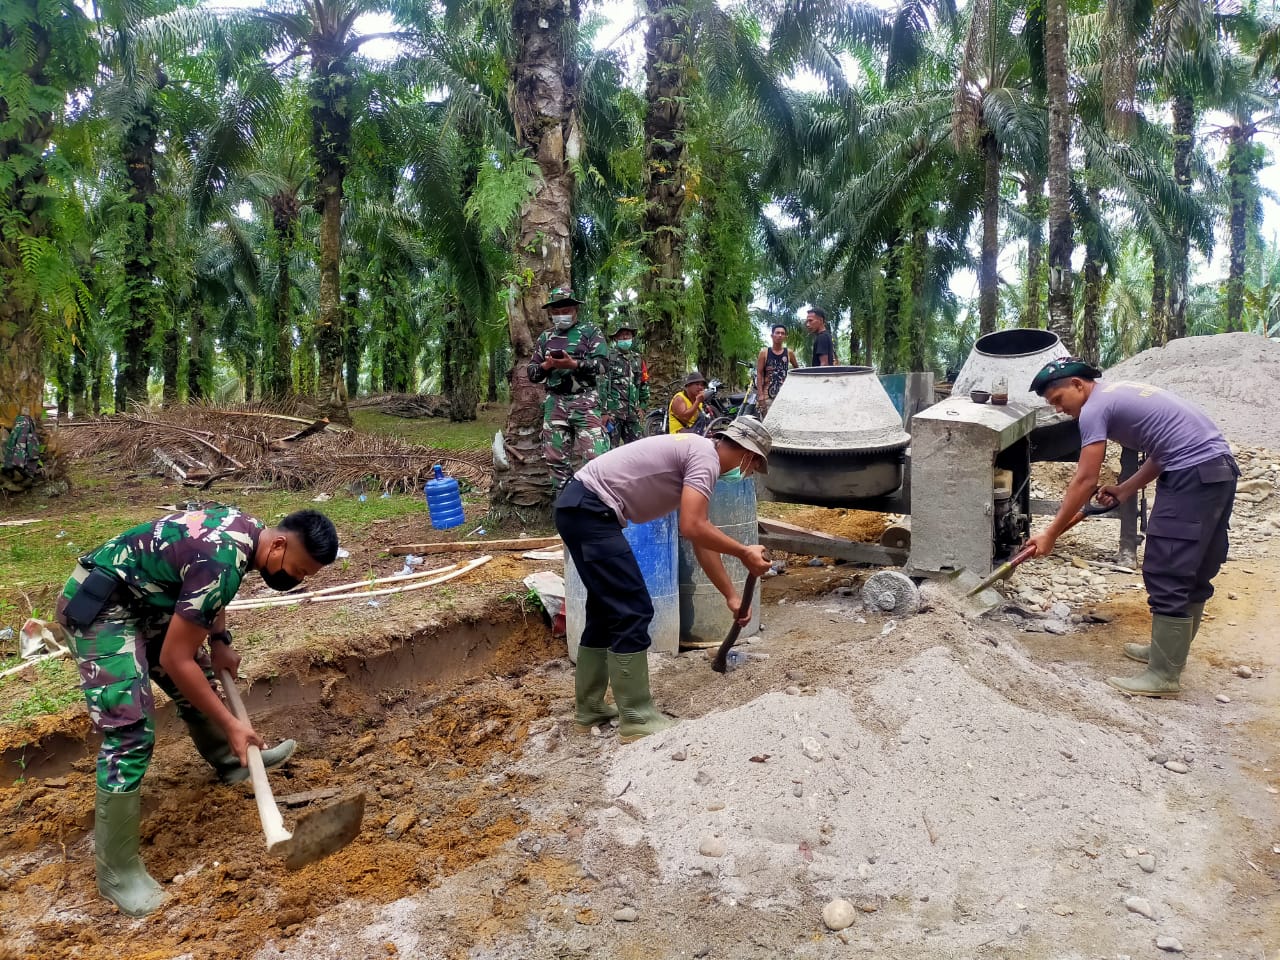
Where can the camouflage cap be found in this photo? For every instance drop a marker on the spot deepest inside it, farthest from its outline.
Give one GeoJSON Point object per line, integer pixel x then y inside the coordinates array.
{"type": "Point", "coordinates": [562, 297]}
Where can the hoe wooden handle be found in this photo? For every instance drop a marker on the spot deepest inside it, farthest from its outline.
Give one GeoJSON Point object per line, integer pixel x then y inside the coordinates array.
{"type": "Point", "coordinates": [268, 812]}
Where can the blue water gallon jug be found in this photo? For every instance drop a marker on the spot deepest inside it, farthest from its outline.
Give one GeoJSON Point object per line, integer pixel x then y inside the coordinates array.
{"type": "Point", "coordinates": [444, 502]}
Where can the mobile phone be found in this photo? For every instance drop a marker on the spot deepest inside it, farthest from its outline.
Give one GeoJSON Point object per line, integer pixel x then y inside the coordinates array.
{"type": "Point", "coordinates": [559, 354]}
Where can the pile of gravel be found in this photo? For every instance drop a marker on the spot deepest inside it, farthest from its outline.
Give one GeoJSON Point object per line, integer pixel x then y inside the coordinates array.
{"type": "Point", "coordinates": [1231, 375]}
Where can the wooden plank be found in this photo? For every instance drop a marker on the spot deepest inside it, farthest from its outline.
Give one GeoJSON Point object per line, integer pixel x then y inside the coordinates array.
{"type": "Point", "coordinates": [471, 546]}
{"type": "Point", "coordinates": [850, 551]}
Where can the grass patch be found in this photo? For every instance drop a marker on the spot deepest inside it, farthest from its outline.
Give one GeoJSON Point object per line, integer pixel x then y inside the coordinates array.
{"type": "Point", "coordinates": [434, 431]}
{"type": "Point", "coordinates": [57, 686]}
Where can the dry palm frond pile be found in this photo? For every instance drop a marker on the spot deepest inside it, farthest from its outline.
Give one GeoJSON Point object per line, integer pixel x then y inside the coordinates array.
{"type": "Point", "coordinates": [200, 445]}
{"type": "Point", "coordinates": [409, 405]}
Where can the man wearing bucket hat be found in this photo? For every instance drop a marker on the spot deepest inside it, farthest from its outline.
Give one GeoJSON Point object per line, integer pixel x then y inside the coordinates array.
{"type": "Point", "coordinates": [636, 483]}
{"type": "Point", "coordinates": [685, 409]}
{"type": "Point", "coordinates": [570, 359]}
{"type": "Point", "coordinates": [1187, 530]}
{"type": "Point", "coordinates": [628, 392]}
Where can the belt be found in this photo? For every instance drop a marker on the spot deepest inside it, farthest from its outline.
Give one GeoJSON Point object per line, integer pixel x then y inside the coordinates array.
{"type": "Point", "coordinates": [571, 392]}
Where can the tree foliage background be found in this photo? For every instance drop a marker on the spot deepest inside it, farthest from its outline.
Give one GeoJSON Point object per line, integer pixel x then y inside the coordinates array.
{"type": "Point", "coordinates": [315, 199]}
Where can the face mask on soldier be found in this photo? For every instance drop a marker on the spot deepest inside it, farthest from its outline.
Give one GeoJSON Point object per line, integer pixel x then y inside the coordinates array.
{"type": "Point", "coordinates": [624, 344]}
{"type": "Point", "coordinates": [562, 321]}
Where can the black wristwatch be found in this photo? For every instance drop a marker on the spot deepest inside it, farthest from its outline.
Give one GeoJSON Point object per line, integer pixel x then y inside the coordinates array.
{"type": "Point", "coordinates": [223, 637]}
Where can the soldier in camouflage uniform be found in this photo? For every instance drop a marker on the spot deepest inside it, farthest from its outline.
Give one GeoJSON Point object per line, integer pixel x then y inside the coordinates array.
{"type": "Point", "coordinates": [140, 608]}
{"type": "Point", "coordinates": [627, 396]}
{"type": "Point", "coordinates": [570, 359]}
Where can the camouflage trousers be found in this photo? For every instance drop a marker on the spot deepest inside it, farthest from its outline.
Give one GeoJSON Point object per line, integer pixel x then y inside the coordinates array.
{"type": "Point", "coordinates": [118, 656]}
{"type": "Point", "coordinates": [624, 431]}
{"type": "Point", "coordinates": [572, 433]}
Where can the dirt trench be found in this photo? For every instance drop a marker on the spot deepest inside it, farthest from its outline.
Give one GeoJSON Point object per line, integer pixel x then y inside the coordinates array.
{"type": "Point", "coordinates": [425, 728]}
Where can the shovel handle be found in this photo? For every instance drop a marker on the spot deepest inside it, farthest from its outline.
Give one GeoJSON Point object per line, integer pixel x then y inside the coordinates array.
{"type": "Point", "coordinates": [721, 662]}
{"type": "Point", "coordinates": [268, 812]}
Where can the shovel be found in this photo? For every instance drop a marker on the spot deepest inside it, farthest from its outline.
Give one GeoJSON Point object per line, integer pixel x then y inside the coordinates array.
{"type": "Point", "coordinates": [721, 663]}
{"type": "Point", "coordinates": [1003, 571]}
{"type": "Point", "coordinates": [319, 832]}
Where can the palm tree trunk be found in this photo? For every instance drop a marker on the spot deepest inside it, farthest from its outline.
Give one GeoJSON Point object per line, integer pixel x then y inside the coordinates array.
{"type": "Point", "coordinates": [199, 355]}
{"type": "Point", "coordinates": [544, 95]}
{"type": "Point", "coordinates": [79, 383]}
{"type": "Point", "coordinates": [1184, 132]}
{"type": "Point", "coordinates": [352, 341]}
{"type": "Point", "coordinates": [662, 284]}
{"type": "Point", "coordinates": [1092, 279]}
{"type": "Point", "coordinates": [140, 257]}
{"type": "Point", "coordinates": [62, 378]}
{"type": "Point", "coordinates": [1031, 316]}
{"type": "Point", "coordinates": [492, 396]}
{"type": "Point", "coordinates": [332, 390]}
{"type": "Point", "coordinates": [278, 380]}
{"type": "Point", "coordinates": [1061, 241]}
{"type": "Point", "coordinates": [1159, 300]}
{"type": "Point", "coordinates": [169, 356]}
{"type": "Point", "coordinates": [988, 277]}
{"type": "Point", "coordinates": [1239, 187]}
{"type": "Point", "coordinates": [462, 365]}
{"type": "Point", "coordinates": [896, 326]}
{"type": "Point", "coordinates": [97, 372]}
{"type": "Point", "coordinates": [921, 345]}
{"type": "Point", "coordinates": [330, 141]}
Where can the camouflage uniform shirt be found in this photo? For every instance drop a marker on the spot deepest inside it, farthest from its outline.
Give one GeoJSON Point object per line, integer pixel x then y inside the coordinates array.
{"type": "Point", "coordinates": [583, 342]}
{"type": "Point", "coordinates": [187, 563]}
{"type": "Point", "coordinates": [628, 391]}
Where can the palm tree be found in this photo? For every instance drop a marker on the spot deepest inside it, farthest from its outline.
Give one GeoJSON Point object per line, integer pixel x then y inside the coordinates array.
{"type": "Point", "coordinates": [324, 31]}
{"type": "Point", "coordinates": [995, 113]}
{"type": "Point", "coordinates": [1061, 240]}
{"type": "Point", "coordinates": [544, 85]}
{"type": "Point", "coordinates": [47, 56]}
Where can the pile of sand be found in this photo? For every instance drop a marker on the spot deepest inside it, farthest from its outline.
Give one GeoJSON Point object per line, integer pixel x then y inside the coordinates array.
{"type": "Point", "coordinates": [1231, 375]}
{"type": "Point", "coordinates": [968, 791]}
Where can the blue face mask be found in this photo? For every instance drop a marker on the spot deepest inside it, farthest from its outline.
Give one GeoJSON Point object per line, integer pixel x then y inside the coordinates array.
{"type": "Point", "coordinates": [734, 474]}
{"type": "Point", "coordinates": [623, 344]}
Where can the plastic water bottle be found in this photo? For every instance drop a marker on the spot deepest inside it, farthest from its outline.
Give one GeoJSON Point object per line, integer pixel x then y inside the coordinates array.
{"type": "Point", "coordinates": [733, 660]}
{"type": "Point", "coordinates": [444, 502]}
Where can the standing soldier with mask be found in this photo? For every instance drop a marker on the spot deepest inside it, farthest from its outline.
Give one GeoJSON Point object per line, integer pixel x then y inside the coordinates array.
{"type": "Point", "coordinates": [140, 608]}
{"type": "Point", "coordinates": [628, 393]}
{"type": "Point", "coordinates": [570, 358]}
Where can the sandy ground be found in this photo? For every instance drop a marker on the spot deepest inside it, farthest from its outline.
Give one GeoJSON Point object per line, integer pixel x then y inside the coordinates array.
{"type": "Point", "coordinates": [973, 790]}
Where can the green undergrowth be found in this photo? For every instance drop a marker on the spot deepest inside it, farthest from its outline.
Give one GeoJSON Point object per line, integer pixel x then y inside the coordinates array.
{"type": "Point", "coordinates": [434, 431]}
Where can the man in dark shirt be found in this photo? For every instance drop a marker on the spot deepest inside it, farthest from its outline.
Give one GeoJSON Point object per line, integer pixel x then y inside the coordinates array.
{"type": "Point", "coordinates": [824, 352]}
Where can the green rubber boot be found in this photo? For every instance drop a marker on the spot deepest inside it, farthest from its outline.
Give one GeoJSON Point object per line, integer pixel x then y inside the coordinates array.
{"type": "Point", "coordinates": [122, 876]}
{"type": "Point", "coordinates": [629, 675]}
{"type": "Point", "coordinates": [1170, 640]}
{"type": "Point", "coordinates": [211, 743]}
{"type": "Point", "coordinates": [590, 681]}
{"type": "Point", "coordinates": [1142, 651]}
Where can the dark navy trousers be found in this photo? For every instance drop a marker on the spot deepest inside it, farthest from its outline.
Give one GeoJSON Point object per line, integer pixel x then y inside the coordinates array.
{"type": "Point", "coordinates": [1187, 535]}
{"type": "Point", "coordinates": [619, 609]}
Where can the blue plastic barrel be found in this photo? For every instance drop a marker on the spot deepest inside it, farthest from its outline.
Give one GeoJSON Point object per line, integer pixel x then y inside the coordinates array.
{"type": "Point", "coordinates": [654, 544]}
{"type": "Point", "coordinates": [704, 615]}
{"type": "Point", "coordinates": [444, 502]}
